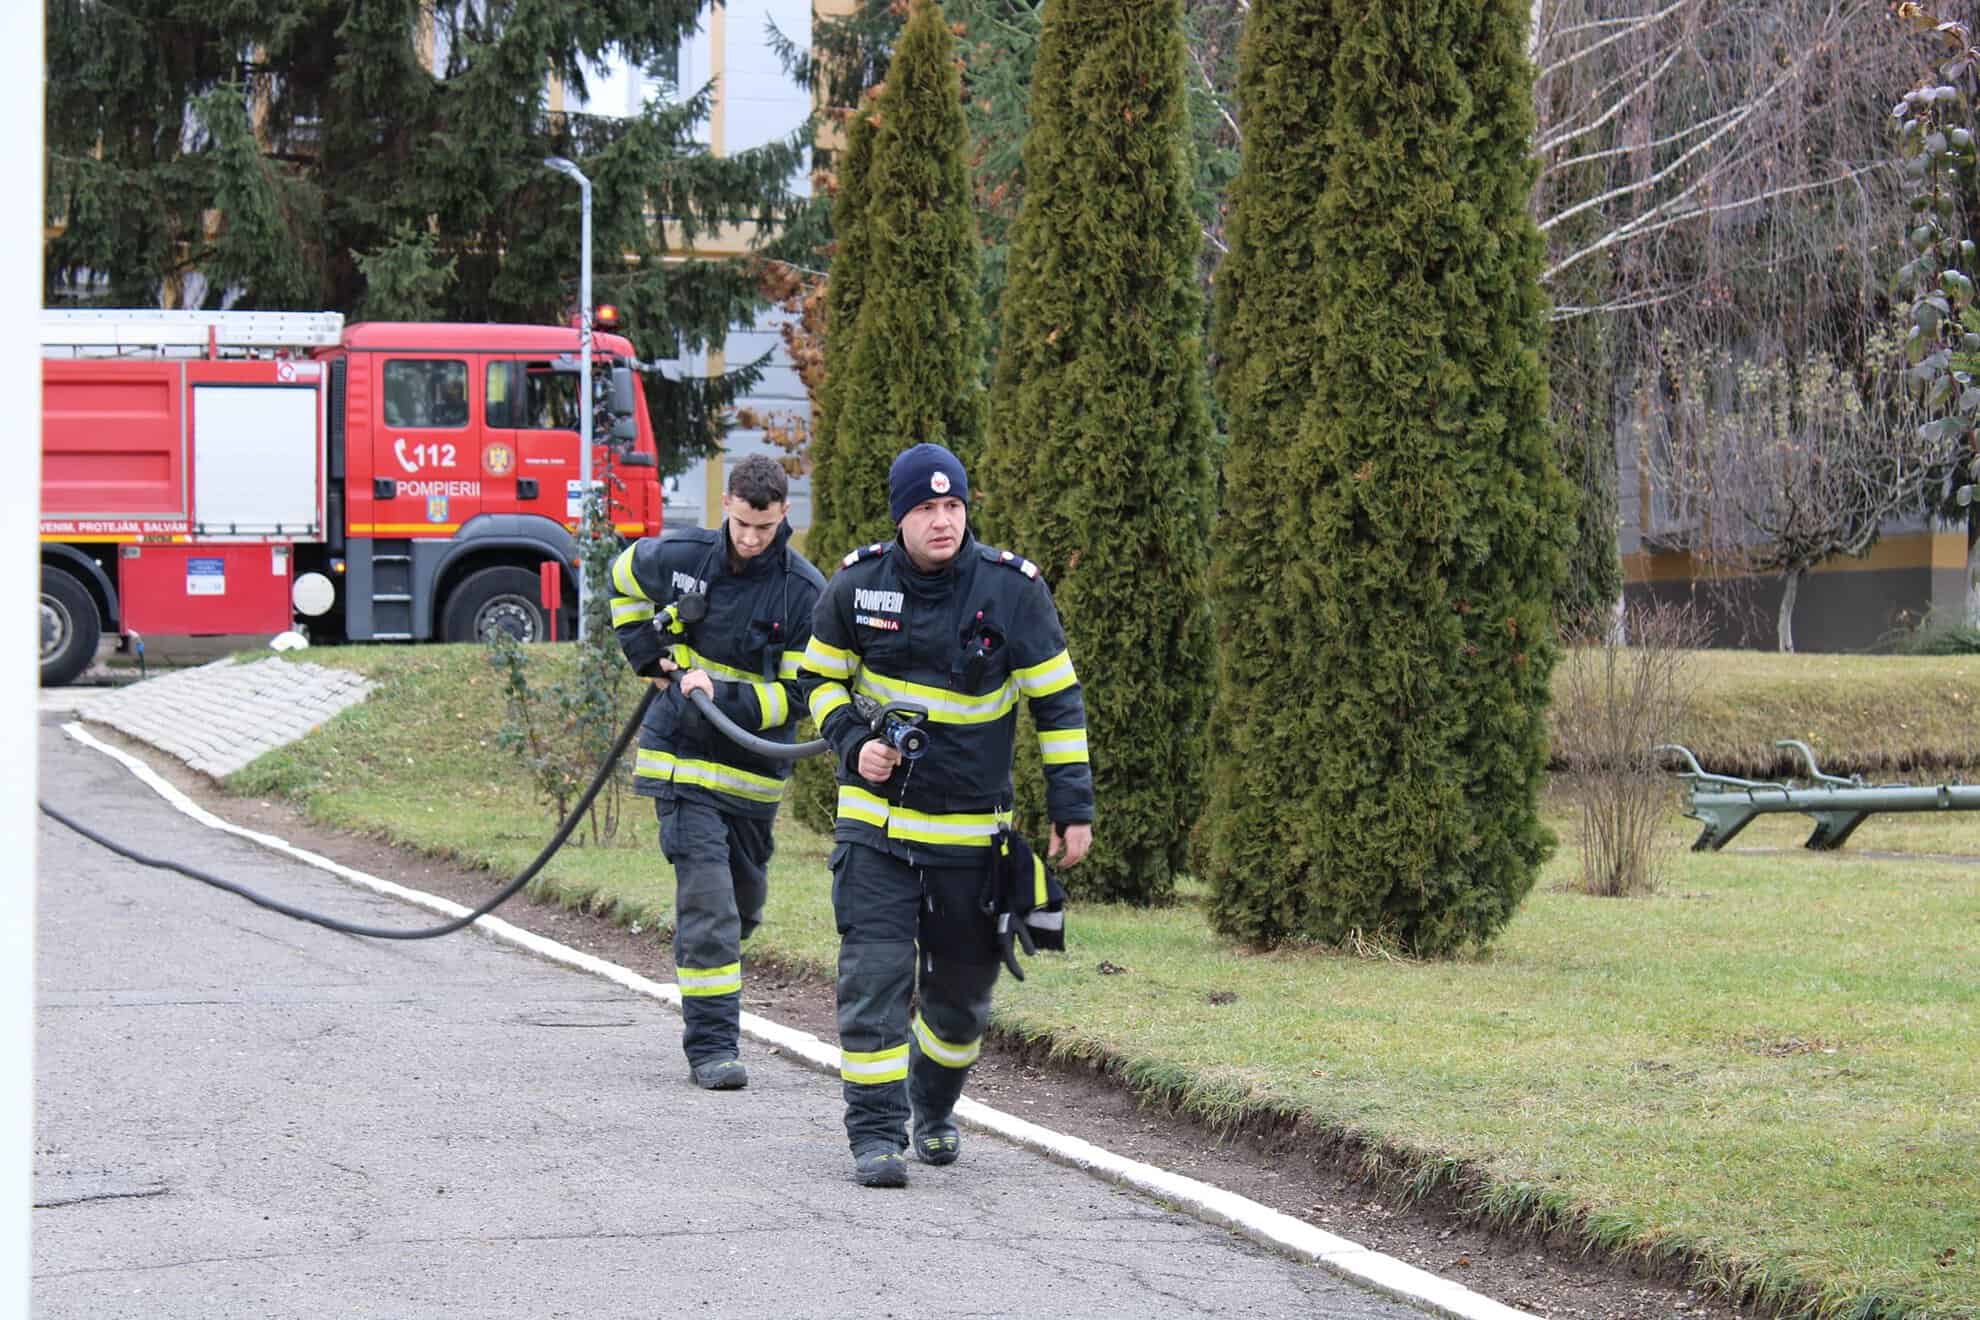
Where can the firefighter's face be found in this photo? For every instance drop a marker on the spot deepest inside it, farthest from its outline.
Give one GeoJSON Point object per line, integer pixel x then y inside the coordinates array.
{"type": "Point", "coordinates": [932, 531]}
{"type": "Point", "coordinates": [751, 530]}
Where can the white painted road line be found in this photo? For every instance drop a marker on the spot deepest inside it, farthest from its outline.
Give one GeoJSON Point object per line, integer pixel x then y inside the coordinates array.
{"type": "Point", "coordinates": [1261, 1224]}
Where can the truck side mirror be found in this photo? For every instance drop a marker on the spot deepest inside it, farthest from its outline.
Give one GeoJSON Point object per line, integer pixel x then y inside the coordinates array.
{"type": "Point", "coordinates": [624, 402]}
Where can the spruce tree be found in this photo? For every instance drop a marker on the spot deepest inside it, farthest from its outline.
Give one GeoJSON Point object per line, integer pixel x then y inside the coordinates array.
{"type": "Point", "coordinates": [334, 154]}
{"type": "Point", "coordinates": [912, 369]}
{"type": "Point", "coordinates": [1380, 740]}
{"type": "Point", "coordinates": [1100, 466]}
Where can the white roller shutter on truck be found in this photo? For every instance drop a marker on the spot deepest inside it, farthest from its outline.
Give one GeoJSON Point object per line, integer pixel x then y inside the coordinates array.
{"type": "Point", "coordinates": [255, 465]}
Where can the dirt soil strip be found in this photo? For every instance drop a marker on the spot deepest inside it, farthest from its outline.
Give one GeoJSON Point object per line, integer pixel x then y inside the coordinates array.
{"type": "Point", "coordinates": [1312, 1198]}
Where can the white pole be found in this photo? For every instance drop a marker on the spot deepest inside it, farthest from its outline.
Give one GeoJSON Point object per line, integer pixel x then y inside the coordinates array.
{"type": "Point", "coordinates": [20, 556]}
{"type": "Point", "coordinates": [563, 166]}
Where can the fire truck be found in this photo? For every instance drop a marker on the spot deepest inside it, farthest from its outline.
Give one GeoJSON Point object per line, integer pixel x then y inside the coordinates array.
{"type": "Point", "coordinates": [216, 473]}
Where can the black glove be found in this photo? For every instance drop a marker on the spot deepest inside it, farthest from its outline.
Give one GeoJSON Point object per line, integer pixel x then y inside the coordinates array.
{"type": "Point", "coordinates": [1024, 899]}
{"type": "Point", "coordinates": [1012, 931]}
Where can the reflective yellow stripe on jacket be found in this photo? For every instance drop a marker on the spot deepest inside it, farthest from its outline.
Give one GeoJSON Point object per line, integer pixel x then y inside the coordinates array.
{"type": "Point", "coordinates": [773, 705]}
{"type": "Point", "coordinates": [962, 829]}
{"type": "Point", "coordinates": [828, 661]}
{"type": "Point", "coordinates": [631, 605]}
{"type": "Point", "coordinates": [718, 778]}
{"type": "Point", "coordinates": [1062, 746]}
{"type": "Point", "coordinates": [943, 706]}
{"type": "Point", "coordinates": [1047, 677]}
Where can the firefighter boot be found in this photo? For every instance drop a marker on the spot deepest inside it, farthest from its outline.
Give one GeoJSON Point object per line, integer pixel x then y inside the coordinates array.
{"type": "Point", "coordinates": [933, 1090]}
{"type": "Point", "coordinates": [720, 1075]}
{"type": "Point", "coordinates": [880, 1167]}
{"type": "Point", "coordinates": [931, 1097]}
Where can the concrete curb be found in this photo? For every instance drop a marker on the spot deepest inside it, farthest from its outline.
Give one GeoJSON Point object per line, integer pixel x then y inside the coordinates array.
{"type": "Point", "coordinates": [1261, 1224]}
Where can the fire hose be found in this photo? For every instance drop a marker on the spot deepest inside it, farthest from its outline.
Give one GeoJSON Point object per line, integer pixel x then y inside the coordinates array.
{"type": "Point", "coordinates": [897, 722]}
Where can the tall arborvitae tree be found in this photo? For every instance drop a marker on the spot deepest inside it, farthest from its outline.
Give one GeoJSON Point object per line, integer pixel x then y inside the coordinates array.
{"type": "Point", "coordinates": [318, 153]}
{"type": "Point", "coordinates": [840, 511]}
{"type": "Point", "coordinates": [912, 368]}
{"type": "Point", "coordinates": [842, 493]}
{"type": "Point", "coordinates": [1381, 740]}
{"type": "Point", "coordinates": [1262, 805]}
{"type": "Point", "coordinates": [1101, 466]}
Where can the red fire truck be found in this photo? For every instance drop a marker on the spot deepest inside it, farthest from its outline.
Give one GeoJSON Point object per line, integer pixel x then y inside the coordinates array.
{"type": "Point", "coordinates": [212, 473]}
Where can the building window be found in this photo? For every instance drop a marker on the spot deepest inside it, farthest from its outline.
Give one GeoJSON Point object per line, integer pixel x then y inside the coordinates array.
{"type": "Point", "coordinates": [426, 393]}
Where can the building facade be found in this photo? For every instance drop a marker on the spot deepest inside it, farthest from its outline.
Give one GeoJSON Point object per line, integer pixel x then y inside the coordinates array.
{"type": "Point", "coordinates": [1916, 571]}
{"type": "Point", "coordinates": [754, 101]}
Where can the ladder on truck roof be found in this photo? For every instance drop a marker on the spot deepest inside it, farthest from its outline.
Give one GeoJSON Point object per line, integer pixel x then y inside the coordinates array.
{"type": "Point", "coordinates": [97, 332]}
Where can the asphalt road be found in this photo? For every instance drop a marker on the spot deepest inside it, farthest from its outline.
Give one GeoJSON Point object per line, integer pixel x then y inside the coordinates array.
{"type": "Point", "coordinates": [243, 1115]}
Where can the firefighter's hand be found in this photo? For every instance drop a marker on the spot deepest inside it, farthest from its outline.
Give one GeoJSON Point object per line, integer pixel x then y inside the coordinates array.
{"type": "Point", "coordinates": [668, 672]}
{"type": "Point", "coordinates": [878, 760]}
{"type": "Point", "coordinates": [697, 680]}
{"type": "Point", "coordinates": [1069, 844]}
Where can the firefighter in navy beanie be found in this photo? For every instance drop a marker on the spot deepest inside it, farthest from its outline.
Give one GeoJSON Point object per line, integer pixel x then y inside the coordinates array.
{"type": "Point", "coordinates": [939, 620]}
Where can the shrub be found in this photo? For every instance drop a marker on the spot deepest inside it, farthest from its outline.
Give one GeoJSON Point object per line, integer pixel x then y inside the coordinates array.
{"type": "Point", "coordinates": [1620, 693]}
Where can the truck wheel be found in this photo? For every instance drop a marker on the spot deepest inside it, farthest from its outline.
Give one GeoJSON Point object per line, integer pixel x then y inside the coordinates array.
{"type": "Point", "coordinates": [504, 598]}
{"type": "Point", "coordinates": [70, 628]}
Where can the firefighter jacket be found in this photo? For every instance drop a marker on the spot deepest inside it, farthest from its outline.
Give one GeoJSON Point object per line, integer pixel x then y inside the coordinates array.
{"type": "Point", "coordinates": [962, 642]}
{"type": "Point", "coordinates": [749, 640]}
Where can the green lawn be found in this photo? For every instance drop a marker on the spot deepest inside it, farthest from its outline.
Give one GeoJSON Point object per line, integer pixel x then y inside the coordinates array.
{"type": "Point", "coordinates": [1772, 1067]}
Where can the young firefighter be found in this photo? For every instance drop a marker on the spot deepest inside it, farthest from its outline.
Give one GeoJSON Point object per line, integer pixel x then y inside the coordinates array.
{"type": "Point", "coordinates": [938, 620]}
{"type": "Point", "coordinates": [724, 611]}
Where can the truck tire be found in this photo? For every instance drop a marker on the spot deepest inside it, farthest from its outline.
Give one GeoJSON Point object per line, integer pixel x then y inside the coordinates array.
{"type": "Point", "coordinates": [505, 598]}
{"type": "Point", "coordinates": [70, 627]}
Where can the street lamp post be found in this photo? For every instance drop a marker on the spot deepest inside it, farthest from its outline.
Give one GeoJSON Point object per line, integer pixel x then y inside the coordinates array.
{"type": "Point", "coordinates": [565, 167]}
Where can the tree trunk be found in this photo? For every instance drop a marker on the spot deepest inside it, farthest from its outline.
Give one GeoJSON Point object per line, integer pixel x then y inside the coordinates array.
{"type": "Point", "coordinates": [1973, 568]}
{"type": "Point", "coordinates": [1790, 588]}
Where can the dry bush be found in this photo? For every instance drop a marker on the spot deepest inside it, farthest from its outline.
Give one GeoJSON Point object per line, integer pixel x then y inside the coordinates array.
{"type": "Point", "coordinates": [1624, 686]}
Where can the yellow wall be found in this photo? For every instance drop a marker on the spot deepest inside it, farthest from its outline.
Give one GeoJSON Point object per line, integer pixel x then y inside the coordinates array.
{"type": "Point", "coordinates": [1921, 550]}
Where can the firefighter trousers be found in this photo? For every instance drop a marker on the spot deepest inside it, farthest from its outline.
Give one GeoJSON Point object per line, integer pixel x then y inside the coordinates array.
{"type": "Point", "coordinates": [908, 932]}
{"type": "Point", "coordinates": [721, 878]}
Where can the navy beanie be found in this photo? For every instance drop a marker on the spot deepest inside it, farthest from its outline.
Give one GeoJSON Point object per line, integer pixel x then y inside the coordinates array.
{"type": "Point", "coordinates": [925, 472]}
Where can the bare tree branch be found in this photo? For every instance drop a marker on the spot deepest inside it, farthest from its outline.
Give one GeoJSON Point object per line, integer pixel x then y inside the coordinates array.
{"type": "Point", "coordinates": [1644, 23]}
{"type": "Point", "coordinates": [1652, 222]}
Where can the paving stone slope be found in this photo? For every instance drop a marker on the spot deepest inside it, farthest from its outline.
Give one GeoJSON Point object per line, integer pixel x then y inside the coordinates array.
{"type": "Point", "coordinates": [219, 717]}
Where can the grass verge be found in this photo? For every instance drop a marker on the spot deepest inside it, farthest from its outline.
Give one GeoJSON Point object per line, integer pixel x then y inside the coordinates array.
{"type": "Point", "coordinates": [1862, 714]}
{"type": "Point", "coordinates": [1766, 1074]}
